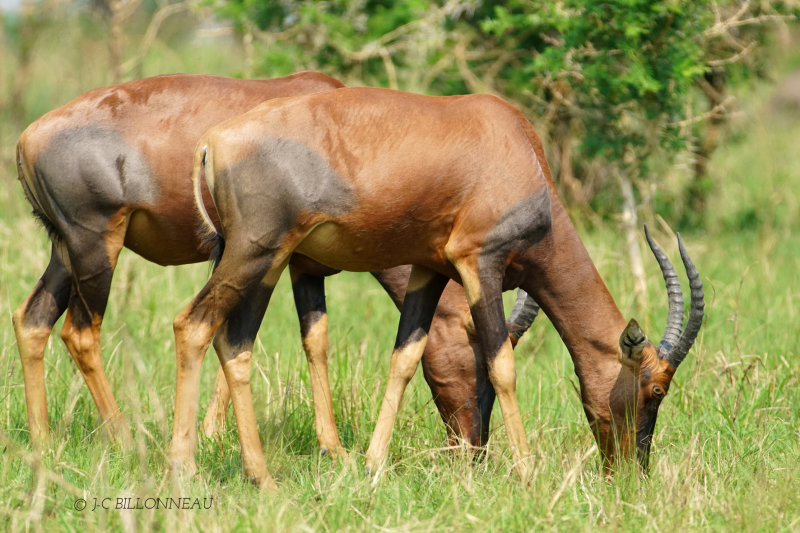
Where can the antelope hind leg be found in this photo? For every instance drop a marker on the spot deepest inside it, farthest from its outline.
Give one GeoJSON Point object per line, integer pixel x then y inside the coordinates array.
{"type": "Point", "coordinates": [33, 322]}
{"type": "Point", "coordinates": [194, 328]}
{"type": "Point", "coordinates": [214, 421]}
{"type": "Point", "coordinates": [92, 260]}
{"type": "Point", "coordinates": [234, 346]}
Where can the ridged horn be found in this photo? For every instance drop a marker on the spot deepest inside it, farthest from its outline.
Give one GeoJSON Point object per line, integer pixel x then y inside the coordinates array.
{"type": "Point", "coordinates": [522, 314]}
{"type": "Point", "coordinates": [696, 310]}
{"type": "Point", "coordinates": [676, 342]}
{"type": "Point", "coordinates": [672, 331]}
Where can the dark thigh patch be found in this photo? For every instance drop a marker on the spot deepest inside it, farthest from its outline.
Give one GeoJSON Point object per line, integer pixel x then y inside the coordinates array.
{"type": "Point", "coordinates": [276, 183]}
{"type": "Point", "coordinates": [89, 171]}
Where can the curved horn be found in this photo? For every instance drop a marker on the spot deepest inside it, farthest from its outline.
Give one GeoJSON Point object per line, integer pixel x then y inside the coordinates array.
{"type": "Point", "coordinates": [696, 307]}
{"type": "Point", "coordinates": [522, 314]}
{"type": "Point", "coordinates": [672, 332]}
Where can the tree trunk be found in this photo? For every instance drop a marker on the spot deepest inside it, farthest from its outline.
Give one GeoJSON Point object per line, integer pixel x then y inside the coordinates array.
{"type": "Point", "coordinates": [121, 10]}
{"type": "Point", "coordinates": [115, 45]}
{"type": "Point", "coordinates": [28, 30]}
{"type": "Point", "coordinates": [630, 227]}
{"type": "Point", "coordinates": [701, 186]}
{"type": "Point", "coordinates": [2, 63]}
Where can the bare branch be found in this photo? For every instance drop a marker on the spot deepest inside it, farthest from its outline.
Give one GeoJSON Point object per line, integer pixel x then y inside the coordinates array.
{"type": "Point", "coordinates": [474, 83]}
{"type": "Point", "coordinates": [630, 226]}
{"type": "Point", "coordinates": [378, 46]}
{"type": "Point", "coordinates": [391, 72]}
{"type": "Point", "coordinates": [718, 111]}
{"type": "Point", "coordinates": [734, 58]}
{"type": "Point", "coordinates": [269, 37]}
{"type": "Point", "coordinates": [121, 10]}
{"type": "Point", "coordinates": [161, 14]}
{"type": "Point", "coordinates": [452, 7]}
{"type": "Point", "coordinates": [722, 26]}
{"type": "Point", "coordinates": [712, 94]}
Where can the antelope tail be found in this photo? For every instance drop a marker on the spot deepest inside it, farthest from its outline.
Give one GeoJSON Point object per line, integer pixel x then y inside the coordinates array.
{"type": "Point", "coordinates": [209, 233]}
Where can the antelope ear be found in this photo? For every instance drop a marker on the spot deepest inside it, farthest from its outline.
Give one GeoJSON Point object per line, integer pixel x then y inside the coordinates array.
{"type": "Point", "coordinates": [631, 344]}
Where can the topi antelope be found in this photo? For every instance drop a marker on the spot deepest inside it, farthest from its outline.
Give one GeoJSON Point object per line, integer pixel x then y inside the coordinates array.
{"type": "Point", "coordinates": [364, 179]}
{"type": "Point", "coordinates": [113, 168]}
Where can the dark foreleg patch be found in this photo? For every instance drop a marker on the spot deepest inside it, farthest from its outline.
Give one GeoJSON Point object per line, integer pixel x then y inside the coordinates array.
{"type": "Point", "coordinates": [522, 226]}
{"type": "Point", "coordinates": [418, 309]}
{"type": "Point", "coordinates": [309, 299]}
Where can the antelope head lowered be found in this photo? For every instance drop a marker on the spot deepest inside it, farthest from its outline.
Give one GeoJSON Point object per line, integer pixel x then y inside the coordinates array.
{"type": "Point", "coordinates": [631, 417]}
{"type": "Point", "coordinates": [363, 179]}
{"type": "Point", "coordinates": [622, 407]}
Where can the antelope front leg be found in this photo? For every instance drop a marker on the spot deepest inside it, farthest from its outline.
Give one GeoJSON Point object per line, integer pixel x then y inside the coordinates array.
{"type": "Point", "coordinates": [424, 289]}
{"type": "Point", "coordinates": [486, 304]}
{"type": "Point", "coordinates": [309, 297]}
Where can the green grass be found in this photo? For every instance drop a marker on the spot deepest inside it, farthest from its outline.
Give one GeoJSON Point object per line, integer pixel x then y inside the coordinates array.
{"type": "Point", "coordinates": [727, 443]}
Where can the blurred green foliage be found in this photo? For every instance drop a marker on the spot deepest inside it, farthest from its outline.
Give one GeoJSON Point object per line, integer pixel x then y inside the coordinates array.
{"type": "Point", "coordinates": [616, 65]}
{"type": "Point", "coordinates": [629, 83]}
{"type": "Point", "coordinates": [617, 88]}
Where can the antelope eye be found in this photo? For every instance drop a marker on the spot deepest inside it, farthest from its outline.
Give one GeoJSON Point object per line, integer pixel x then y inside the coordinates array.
{"type": "Point", "coordinates": [658, 392]}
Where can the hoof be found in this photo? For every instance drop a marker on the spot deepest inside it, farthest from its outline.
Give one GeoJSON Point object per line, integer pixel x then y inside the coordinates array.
{"type": "Point", "coordinates": [213, 426]}
{"type": "Point", "coordinates": [264, 483]}
{"type": "Point", "coordinates": [119, 433]}
{"type": "Point", "coordinates": [41, 440]}
{"type": "Point", "coordinates": [123, 439]}
{"type": "Point", "coordinates": [337, 453]}
{"type": "Point", "coordinates": [182, 469]}
{"type": "Point", "coordinates": [372, 466]}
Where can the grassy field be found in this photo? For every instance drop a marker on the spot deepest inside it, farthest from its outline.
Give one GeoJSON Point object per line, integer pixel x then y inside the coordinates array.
{"type": "Point", "coordinates": [726, 449]}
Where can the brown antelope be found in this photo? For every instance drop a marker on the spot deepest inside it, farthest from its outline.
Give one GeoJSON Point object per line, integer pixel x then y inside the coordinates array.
{"type": "Point", "coordinates": [364, 179]}
{"type": "Point", "coordinates": [113, 168]}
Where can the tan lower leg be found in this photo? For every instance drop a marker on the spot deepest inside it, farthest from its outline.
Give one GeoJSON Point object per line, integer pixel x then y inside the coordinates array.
{"type": "Point", "coordinates": [31, 342]}
{"type": "Point", "coordinates": [191, 342]}
{"type": "Point", "coordinates": [237, 372]}
{"type": "Point", "coordinates": [84, 347]}
{"type": "Point", "coordinates": [214, 422]}
{"type": "Point", "coordinates": [403, 365]}
{"type": "Point", "coordinates": [315, 344]}
{"type": "Point", "coordinates": [502, 373]}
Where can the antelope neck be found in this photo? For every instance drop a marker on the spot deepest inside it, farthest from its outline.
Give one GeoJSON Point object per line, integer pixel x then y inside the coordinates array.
{"type": "Point", "coordinates": [569, 289]}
